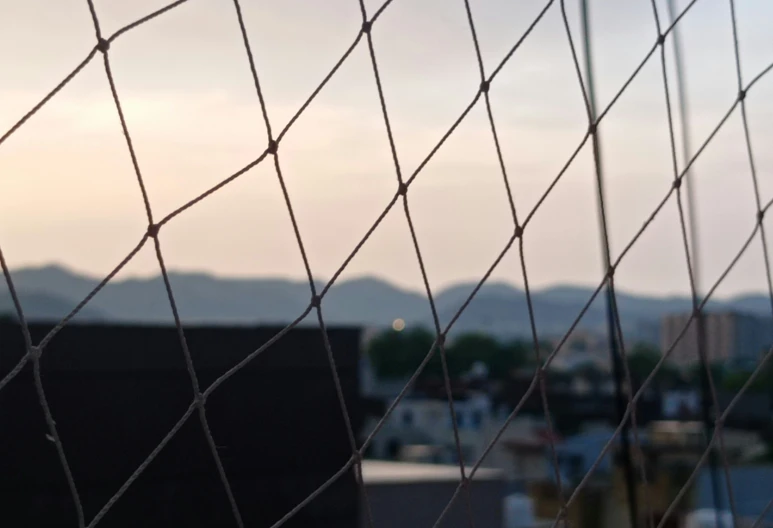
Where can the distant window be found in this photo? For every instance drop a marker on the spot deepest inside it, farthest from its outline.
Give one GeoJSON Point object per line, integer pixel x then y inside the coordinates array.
{"type": "Point", "coordinates": [393, 449]}
{"type": "Point", "coordinates": [407, 417]}
{"type": "Point", "coordinates": [476, 419]}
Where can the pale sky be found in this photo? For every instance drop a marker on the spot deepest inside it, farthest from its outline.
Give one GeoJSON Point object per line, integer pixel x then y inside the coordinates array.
{"type": "Point", "coordinates": [68, 194]}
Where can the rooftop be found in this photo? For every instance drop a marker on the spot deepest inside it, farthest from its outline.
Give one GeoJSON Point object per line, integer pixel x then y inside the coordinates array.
{"type": "Point", "coordinates": [386, 472]}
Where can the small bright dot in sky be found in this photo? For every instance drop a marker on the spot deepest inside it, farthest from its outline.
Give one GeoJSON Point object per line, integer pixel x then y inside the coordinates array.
{"type": "Point", "coordinates": [398, 325]}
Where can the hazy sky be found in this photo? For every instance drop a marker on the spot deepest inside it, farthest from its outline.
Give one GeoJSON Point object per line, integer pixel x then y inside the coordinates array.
{"type": "Point", "coordinates": [68, 193]}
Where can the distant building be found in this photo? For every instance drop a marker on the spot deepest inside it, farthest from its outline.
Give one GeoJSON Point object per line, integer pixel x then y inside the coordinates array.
{"type": "Point", "coordinates": [418, 423]}
{"type": "Point", "coordinates": [665, 456]}
{"type": "Point", "coordinates": [582, 345]}
{"type": "Point", "coordinates": [751, 494]}
{"type": "Point", "coordinates": [415, 495]}
{"type": "Point", "coordinates": [730, 336]}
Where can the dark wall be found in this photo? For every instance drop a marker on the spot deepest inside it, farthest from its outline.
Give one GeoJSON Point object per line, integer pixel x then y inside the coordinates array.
{"type": "Point", "coordinates": [116, 391]}
{"type": "Point", "coordinates": [420, 504]}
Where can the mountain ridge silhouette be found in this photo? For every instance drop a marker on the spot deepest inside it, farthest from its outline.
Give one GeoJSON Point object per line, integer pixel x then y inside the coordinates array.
{"type": "Point", "coordinates": [51, 291]}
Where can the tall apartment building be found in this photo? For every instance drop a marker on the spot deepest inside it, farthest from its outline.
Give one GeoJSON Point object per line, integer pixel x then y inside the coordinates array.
{"type": "Point", "coordinates": [729, 336]}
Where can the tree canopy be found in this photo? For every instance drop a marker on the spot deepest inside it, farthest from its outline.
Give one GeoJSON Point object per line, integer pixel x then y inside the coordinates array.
{"type": "Point", "coordinates": [734, 380]}
{"type": "Point", "coordinates": [642, 360]}
{"type": "Point", "coordinates": [398, 354]}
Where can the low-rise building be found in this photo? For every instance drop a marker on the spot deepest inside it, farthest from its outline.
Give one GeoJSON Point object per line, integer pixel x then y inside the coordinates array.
{"type": "Point", "coordinates": [412, 495]}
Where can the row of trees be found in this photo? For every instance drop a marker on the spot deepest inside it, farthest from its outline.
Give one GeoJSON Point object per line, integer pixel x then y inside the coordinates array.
{"type": "Point", "coordinates": [396, 354]}
{"type": "Point", "coordinates": [643, 359]}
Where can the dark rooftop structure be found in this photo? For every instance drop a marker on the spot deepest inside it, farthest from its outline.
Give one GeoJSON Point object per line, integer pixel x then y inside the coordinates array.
{"type": "Point", "coordinates": [116, 391]}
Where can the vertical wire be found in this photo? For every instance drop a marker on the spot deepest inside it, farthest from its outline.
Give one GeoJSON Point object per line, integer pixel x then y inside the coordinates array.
{"type": "Point", "coordinates": [611, 311]}
{"type": "Point", "coordinates": [694, 263]}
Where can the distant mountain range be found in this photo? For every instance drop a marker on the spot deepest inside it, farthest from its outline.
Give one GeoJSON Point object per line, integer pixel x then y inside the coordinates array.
{"type": "Point", "coordinates": [50, 292]}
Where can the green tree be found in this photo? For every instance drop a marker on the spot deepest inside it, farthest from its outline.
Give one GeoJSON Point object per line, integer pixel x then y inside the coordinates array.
{"type": "Point", "coordinates": [642, 360]}
{"type": "Point", "coordinates": [734, 380]}
{"type": "Point", "coordinates": [512, 355]}
{"type": "Point", "coordinates": [696, 372]}
{"type": "Point", "coordinates": [398, 354]}
{"type": "Point", "coordinates": [500, 358]}
{"type": "Point", "coordinates": [464, 351]}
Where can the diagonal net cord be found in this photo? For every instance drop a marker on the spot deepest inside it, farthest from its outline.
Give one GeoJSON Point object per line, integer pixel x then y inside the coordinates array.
{"type": "Point", "coordinates": [223, 378]}
{"type": "Point", "coordinates": [614, 328]}
{"type": "Point", "coordinates": [33, 353]}
{"type": "Point", "coordinates": [571, 159]}
{"type": "Point", "coordinates": [145, 236]}
{"type": "Point", "coordinates": [760, 520]}
{"type": "Point", "coordinates": [103, 46]}
{"type": "Point", "coordinates": [722, 277]}
{"type": "Point", "coordinates": [22, 322]}
{"type": "Point", "coordinates": [664, 357]}
{"type": "Point", "coordinates": [758, 203]}
{"type": "Point", "coordinates": [692, 264]}
{"type": "Point", "coordinates": [691, 261]}
{"type": "Point", "coordinates": [732, 404]}
{"type": "Point", "coordinates": [723, 416]}
{"type": "Point", "coordinates": [519, 231]}
{"type": "Point", "coordinates": [403, 191]}
{"type": "Point", "coordinates": [251, 356]}
{"type": "Point", "coordinates": [316, 299]}
{"type": "Point", "coordinates": [70, 76]}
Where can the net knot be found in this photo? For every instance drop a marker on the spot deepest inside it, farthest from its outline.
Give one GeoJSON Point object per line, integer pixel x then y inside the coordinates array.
{"type": "Point", "coordinates": [153, 230]}
{"type": "Point", "coordinates": [741, 95]}
{"type": "Point", "coordinates": [678, 183]}
{"type": "Point", "coordinates": [484, 86]}
{"type": "Point", "coordinates": [661, 40]}
{"type": "Point", "coordinates": [316, 301]}
{"type": "Point", "coordinates": [760, 216]}
{"type": "Point", "coordinates": [402, 189]}
{"type": "Point", "coordinates": [200, 401]}
{"type": "Point", "coordinates": [592, 128]}
{"type": "Point", "coordinates": [103, 45]}
{"type": "Point", "coordinates": [272, 147]}
{"type": "Point", "coordinates": [366, 26]}
{"type": "Point", "coordinates": [518, 233]}
{"type": "Point", "coordinates": [35, 353]}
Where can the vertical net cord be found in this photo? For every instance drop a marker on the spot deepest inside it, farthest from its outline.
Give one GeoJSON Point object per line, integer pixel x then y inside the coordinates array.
{"type": "Point", "coordinates": [103, 45]}
{"type": "Point", "coordinates": [691, 246]}
{"type": "Point", "coordinates": [613, 317]}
